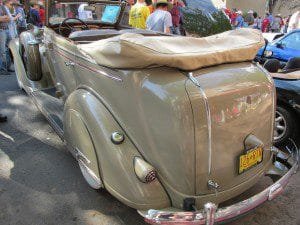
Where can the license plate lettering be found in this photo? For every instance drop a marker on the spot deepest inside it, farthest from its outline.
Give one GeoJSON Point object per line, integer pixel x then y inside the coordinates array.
{"type": "Point", "coordinates": [250, 159]}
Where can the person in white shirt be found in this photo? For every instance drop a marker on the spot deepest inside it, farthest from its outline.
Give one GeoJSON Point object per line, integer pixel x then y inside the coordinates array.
{"type": "Point", "coordinates": [161, 19]}
{"type": "Point", "coordinates": [84, 14]}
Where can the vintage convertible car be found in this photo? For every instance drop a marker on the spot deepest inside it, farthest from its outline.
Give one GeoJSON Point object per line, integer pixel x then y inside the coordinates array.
{"type": "Point", "coordinates": [171, 126]}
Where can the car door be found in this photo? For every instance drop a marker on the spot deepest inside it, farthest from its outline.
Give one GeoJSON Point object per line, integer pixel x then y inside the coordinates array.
{"type": "Point", "coordinates": [288, 47]}
{"type": "Point", "coordinates": [61, 53]}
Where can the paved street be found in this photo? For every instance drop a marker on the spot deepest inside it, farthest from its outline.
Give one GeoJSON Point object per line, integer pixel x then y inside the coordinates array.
{"type": "Point", "coordinates": [40, 182]}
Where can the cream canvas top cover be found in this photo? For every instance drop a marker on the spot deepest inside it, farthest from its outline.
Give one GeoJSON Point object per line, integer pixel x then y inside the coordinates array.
{"type": "Point", "coordinates": [128, 51]}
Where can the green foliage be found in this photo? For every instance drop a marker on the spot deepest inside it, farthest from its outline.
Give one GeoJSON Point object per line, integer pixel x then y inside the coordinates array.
{"type": "Point", "coordinates": [199, 23]}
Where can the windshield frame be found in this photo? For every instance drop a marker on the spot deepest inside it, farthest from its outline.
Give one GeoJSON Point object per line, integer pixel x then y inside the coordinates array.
{"type": "Point", "coordinates": [89, 2]}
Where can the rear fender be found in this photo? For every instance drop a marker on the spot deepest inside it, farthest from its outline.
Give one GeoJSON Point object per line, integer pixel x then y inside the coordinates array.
{"type": "Point", "coordinates": [114, 162]}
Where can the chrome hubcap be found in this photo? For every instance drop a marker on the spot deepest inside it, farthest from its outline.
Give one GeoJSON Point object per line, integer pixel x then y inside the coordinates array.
{"type": "Point", "coordinates": [280, 126]}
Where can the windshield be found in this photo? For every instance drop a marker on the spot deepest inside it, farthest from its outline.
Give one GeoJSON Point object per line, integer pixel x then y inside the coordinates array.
{"type": "Point", "coordinates": [101, 13]}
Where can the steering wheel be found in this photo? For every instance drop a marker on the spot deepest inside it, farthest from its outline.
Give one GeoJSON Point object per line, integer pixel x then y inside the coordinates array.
{"type": "Point", "coordinates": [65, 24]}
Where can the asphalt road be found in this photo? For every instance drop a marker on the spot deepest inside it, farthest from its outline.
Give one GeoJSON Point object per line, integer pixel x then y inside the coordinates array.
{"type": "Point", "coordinates": [40, 182]}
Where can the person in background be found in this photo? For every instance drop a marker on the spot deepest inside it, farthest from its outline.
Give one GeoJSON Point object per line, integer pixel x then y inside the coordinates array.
{"type": "Point", "coordinates": [84, 14]}
{"type": "Point", "coordinates": [21, 21]}
{"type": "Point", "coordinates": [249, 19]}
{"type": "Point", "coordinates": [286, 23]}
{"type": "Point", "coordinates": [161, 19]}
{"type": "Point", "coordinates": [226, 11]}
{"type": "Point", "coordinates": [7, 32]}
{"type": "Point", "coordinates": [271, 18]}
{"type": "Point", "coordinates": [150, 5]}
{"type": "Point", "coordinates": [34, 15]}
{"type": "Point", "coordinates": [176, 16]}
{"type": "Point", "coordinates": [265, 24]}
{"type": "Point", "coordinates": [276, 24]}
{"type": "Point", "coordinates": [4, 38]}
{"type": "Point", "coordinates": [239, 22]}
{"type": "Point", "coordinates": [233, 15]}
{"type": "Point", "coordinates": [257, 23]}
{"type": "Point", "coordinates": [281, 23]}
{"type": "Point", "coordinates": [42, 13]}
{"type": "Point", "coordinates": [8, 5]}
{"type": "Point", "coordinates": [138, 14]}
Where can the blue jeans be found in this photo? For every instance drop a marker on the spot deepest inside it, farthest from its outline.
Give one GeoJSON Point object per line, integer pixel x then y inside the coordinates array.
{"type": "Point", "coordinates": [175, 30]}
{"type": "Point", "coordinates": [5, 60]}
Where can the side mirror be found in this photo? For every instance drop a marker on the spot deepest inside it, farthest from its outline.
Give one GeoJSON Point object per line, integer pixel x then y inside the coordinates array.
{"type": "Point", "coordinates": [280, 45]}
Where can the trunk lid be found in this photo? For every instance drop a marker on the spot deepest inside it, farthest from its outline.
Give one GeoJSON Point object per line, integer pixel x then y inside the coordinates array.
{"type": "Point", "coordinates": [229, 102]}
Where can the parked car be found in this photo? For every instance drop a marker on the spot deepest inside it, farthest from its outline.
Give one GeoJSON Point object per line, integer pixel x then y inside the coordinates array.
{"type": "Point", "coordinates": [272, 36]}
{"type": "Point", "coordinates": [288, 109]}
{"type": "Point", "coordinates": [283, 48]}
{"type": "Point", "coordinates": [287, 117]}
{"type": "Point", "coordinates": [168, 123]}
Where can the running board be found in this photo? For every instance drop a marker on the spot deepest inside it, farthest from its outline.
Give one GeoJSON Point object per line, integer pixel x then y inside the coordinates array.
{"type": "Point", "coordinates": [52, 108]}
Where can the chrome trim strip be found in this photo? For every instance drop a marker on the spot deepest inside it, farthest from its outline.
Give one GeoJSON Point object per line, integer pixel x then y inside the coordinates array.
{"type": "Point", "coordinates": [208, 116]}
{"type": "Point", "coordinates": [81, 156]}
{"type": "Point", "coordinates": [93, 180]}
{"type": "Point", "coordinates": [59, 51]}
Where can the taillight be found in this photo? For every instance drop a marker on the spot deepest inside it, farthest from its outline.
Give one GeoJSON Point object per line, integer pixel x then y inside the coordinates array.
{"type": "Point", "coordinates": [144, 171]}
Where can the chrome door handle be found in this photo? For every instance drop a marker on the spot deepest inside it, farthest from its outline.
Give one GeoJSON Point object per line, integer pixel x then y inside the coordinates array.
{"type": "Point", "coordinates": [70, 63]}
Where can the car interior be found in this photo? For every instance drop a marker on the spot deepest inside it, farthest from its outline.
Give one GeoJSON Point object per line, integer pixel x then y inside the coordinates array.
{"type": "Point", "coordinates": [106, 24]}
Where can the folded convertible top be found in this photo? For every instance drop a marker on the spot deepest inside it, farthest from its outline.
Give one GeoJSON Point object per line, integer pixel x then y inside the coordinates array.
{"type": "Point", "coordinates": [129, 51]}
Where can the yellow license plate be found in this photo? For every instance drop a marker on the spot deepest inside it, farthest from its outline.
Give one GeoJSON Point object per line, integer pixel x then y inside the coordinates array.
{"type": "Point", "coordinates": [250, 159]}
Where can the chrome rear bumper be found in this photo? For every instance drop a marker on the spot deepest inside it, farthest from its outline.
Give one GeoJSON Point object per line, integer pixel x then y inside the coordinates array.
{"type": "Point", "coordinates": [211, 214]}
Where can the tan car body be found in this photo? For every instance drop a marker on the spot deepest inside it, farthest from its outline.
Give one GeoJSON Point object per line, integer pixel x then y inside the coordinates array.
{"type": "Point", "coordinates": [190, 127]}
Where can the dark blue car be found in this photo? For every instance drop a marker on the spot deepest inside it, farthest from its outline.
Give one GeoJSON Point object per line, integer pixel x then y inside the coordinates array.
{"type": "Point", "coordinates": [283, 49]}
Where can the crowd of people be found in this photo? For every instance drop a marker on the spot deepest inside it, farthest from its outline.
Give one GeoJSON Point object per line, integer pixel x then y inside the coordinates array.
{"type": "Point", "coordinates": [157, 15]}
{"type": "Point", "coordinates": [165, 16]}
{"type": "Point", "coordinates": [267, 23]}
{"type": "Point", "coordinates": [13, 21]}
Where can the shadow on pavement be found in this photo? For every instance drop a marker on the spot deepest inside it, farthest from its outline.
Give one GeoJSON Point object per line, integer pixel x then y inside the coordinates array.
{"type": "Point", "coordinates": [40, 182]}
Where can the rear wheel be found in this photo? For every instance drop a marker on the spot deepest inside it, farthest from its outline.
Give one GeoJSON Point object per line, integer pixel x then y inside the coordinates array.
{"type": "Point", "coordinates": [284, 125]}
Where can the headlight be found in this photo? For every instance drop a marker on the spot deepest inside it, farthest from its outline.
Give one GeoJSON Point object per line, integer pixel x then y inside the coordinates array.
{"type": "Point", "coordinates": [268, 53]}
